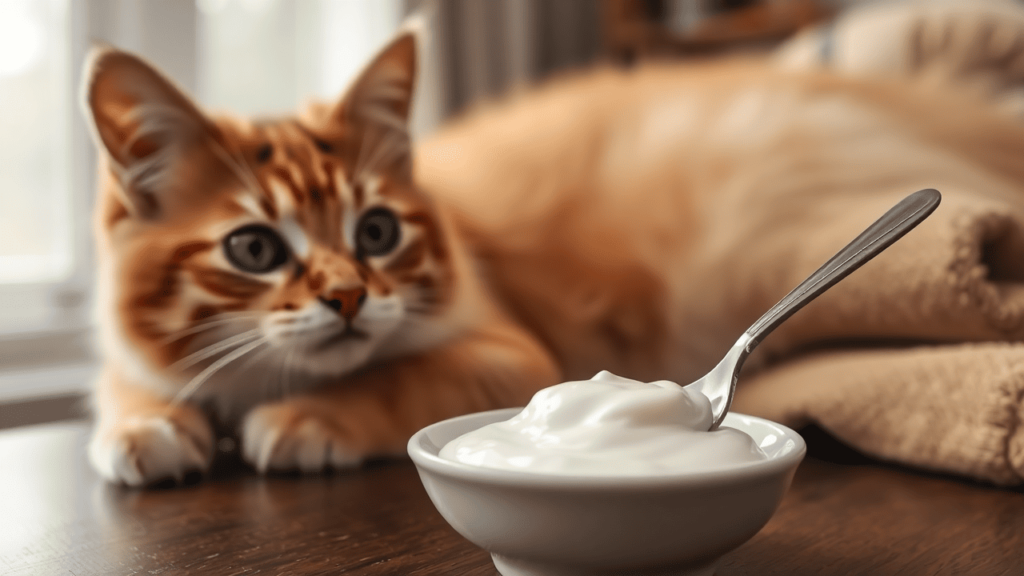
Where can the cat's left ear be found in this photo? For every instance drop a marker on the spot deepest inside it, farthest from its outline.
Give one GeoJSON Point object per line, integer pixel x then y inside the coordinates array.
{"type": "Point", "coordinates": [142, 121]}
{"type": "Point", "coordinates": [374, 113]}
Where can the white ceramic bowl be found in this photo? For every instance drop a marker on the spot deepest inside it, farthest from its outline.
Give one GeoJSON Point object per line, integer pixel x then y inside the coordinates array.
{"type": "Point", "coordinates": [547, 525]}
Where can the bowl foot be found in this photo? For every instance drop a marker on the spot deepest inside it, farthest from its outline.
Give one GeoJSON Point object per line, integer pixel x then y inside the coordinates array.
{"type": "Point", "coordinates": [518, 567]}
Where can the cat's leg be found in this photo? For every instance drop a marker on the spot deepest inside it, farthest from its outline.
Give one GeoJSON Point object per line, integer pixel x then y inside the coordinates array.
{"type": "Point", "coordinates": [141, 437]}
{"type": "Point", "coordinates": [374, 413]}
{"type": "Point", "coordinates": [976, 45]}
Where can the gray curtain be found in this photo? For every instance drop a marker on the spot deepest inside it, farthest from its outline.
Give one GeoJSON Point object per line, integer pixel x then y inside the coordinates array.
{"type": "Point", "coordinates": [485, 48]}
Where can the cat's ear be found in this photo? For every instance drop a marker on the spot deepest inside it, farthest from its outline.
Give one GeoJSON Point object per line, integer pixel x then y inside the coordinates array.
{"type": "Point", "coordinates": [141, 120]}
{"type": "Point", "coordinates": [376, 108]}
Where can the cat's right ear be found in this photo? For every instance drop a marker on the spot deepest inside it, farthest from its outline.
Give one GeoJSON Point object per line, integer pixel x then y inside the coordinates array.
{"type": "Point", "coordinates": [141, 120]}
{"type": "Point", "coordinates": [376, 108]}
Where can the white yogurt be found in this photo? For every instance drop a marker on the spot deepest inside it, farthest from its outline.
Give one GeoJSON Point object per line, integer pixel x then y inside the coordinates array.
{"type": "Point", "coordinates": [607, 426]}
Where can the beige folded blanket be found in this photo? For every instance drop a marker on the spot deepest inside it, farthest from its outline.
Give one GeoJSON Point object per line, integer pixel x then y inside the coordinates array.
{"type": "Point", "coordinates": [917, 357]}
{"type": "Point", "coordinates": [882, 360]}
{"type": "Point", "coordinates": [947, 408]}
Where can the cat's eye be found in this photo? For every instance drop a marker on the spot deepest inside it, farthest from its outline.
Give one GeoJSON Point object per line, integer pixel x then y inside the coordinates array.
{"type": "Point", "coordinates": [255, 248]}
{"type": "Point", "coordinates": [378, 233]}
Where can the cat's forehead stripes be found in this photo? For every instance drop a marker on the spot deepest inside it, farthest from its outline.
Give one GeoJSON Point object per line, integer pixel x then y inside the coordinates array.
{"type": "Point", "coordinates": [301, 182]}
{"type": "Point", "coordinates": [255, 207]}
{"type": "Point", "coordinates": [310, 168]}
{"type": "Point", "coordinates": [283, 196]}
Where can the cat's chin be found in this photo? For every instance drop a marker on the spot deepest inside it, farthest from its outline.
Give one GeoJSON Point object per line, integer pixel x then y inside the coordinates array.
{"type": "Point", "coordinates": [334, 357]}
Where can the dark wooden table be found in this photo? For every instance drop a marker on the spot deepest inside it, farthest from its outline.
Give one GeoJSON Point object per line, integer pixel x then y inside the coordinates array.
{"type": "Point", "coordinates": [843, 515]}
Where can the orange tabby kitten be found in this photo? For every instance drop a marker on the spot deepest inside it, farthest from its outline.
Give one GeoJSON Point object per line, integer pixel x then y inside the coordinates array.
{"type": "Point", "coordinates": [309, 284]}
{"type": "Point", "coordinates": [286, 276]}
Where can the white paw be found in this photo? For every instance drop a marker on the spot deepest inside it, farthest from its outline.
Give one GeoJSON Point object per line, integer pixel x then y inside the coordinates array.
{"type": "Point", "coordinates": [142, 451]}
{"type": "Point", "coordinates": [278, 437]}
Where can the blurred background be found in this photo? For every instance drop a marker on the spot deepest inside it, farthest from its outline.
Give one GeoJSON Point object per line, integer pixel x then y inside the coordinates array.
{"type": "Point", "coordinates": [266, 57]}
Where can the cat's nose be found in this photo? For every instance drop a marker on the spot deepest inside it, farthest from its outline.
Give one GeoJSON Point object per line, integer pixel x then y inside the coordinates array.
{"type": "Point", "coordinates": [345, 302]}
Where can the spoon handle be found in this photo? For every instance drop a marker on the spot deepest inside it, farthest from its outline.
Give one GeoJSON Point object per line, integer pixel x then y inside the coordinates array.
{"type": "Point", "coordinates": [899, 220]}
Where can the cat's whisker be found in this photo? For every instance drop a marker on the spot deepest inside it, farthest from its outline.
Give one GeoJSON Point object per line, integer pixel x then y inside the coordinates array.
{"type": "Point", "coordinates": [216, 348]}
{"type": "Point", "coordinates": [207, 325]}
{"type": "Point", "coordinates": [256, 357]}
{"type": "Point", "coordinates": [212, 369]}
{"type": "Point", "coordinates": [233, 315]}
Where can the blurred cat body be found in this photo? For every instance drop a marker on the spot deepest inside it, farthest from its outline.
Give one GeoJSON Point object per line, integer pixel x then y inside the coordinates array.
{"type": "Point", "coordinates": [316, 286]}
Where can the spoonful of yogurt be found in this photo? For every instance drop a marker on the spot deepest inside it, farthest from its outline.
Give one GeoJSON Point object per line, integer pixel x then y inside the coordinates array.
{"type": "Point", "coordinates": [719, 385]}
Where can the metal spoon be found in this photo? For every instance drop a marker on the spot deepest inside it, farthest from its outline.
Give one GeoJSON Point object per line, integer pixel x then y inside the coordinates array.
{"type": "Point", "coordinates": [720, 384]}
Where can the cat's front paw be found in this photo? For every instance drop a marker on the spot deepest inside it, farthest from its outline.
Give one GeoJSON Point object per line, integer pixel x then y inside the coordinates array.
{"type": "Point", "coordinates": [286, 437]}
{"type": "Point", "coordinates": [145, 450]}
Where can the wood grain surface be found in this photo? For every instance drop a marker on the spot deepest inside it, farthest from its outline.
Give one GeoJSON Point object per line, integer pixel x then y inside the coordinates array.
{"type": "Point", "coordinates": [844, 515]}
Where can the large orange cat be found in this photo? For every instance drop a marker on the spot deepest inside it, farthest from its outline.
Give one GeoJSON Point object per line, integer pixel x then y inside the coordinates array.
{"type": "Point", "coordinates": [311, 285]}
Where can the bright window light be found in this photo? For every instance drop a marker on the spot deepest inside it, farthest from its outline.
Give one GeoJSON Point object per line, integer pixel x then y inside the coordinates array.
{"type": "Point", "coordinates": [35, 201]}
{"type": "Point", "coordinates": [269, 56]}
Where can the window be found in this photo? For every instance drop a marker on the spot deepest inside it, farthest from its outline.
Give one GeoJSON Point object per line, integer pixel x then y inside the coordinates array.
{"type": "Point", "coordinates": [37, 235]}
{"type": "Point", "coordinates": [34, 184]}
